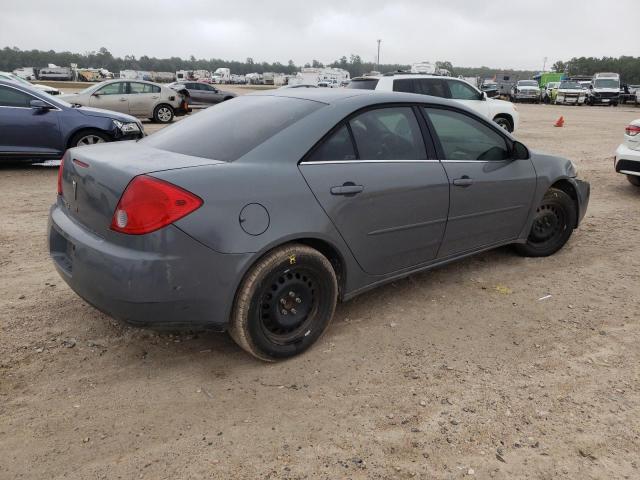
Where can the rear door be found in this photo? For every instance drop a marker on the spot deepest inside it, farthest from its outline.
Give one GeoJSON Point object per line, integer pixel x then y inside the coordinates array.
{"type": "Point", "coordinates": [112, 96]}
{"type": "Point", "coordinates": [387, 197]}
{"type": "Point", "coordinates": [143, 97]}
{"type": "Point", "coordinates": [491, 194]}
{"type": "Point", "coordinates": [25, 131]}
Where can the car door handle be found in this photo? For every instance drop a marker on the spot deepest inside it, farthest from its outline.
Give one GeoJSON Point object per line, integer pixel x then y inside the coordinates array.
{"type": "Point", "coordinates": [464, 181]}
{"type": "Point", "coordinates": [347, 189]}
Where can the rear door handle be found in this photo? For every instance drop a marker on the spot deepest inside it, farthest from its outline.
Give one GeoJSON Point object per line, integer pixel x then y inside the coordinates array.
{"type": "Point", "coordinates": [463, 182]}
{"type": "Point", "coordinates": [347, 189]}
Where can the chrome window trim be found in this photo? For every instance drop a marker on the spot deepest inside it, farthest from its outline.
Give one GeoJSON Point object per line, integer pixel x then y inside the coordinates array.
{"type": "Point", "coordinates": [328, 162]}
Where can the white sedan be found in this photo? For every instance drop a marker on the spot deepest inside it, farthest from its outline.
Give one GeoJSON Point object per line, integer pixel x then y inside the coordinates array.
{"type": "Point", "coordinates": [627, 159]}
{"type": "Point", "coordinates": [14, 78]}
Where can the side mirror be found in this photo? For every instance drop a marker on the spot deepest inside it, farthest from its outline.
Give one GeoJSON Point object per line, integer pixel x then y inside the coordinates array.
{"type": "Point", "coordinates": [482, 96]}
{"type": "Point", "coordinates": [519, 151]}
{"type": "Point", "coordinates": [39, 105]}
{"type": "Point", "coordinates": [95, 94]}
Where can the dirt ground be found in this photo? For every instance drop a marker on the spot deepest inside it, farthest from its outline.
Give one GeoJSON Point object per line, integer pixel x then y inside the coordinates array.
{"type": "Point", "coordinates": [494, 367]}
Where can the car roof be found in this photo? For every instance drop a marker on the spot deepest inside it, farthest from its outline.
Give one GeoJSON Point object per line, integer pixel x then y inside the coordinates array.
{"type": "Point", "coordinates": [403, 75]}
{"type": "Point", "coordinates": [336, 96]}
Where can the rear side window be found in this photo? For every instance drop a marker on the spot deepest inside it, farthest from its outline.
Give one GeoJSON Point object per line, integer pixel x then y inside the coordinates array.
{"type": "Point", "coordinates": [10, 97]}
{"type": "Point", "coordinates": [230, 130]}
{"type": "Point", "coordinates": [464, 138]}
{"type": "Point", "coordinates": [135, 87]}
{"type": "Point", "coordinates": [388, 134]}
{"type": "Point", "coordinates": [117, 88]}
{"type": "Point", "coordinates": [364, 84]}
{"type": "Point", "coordinates": [423, 86]}
{"type": "Point", "coordinates": [337, 147]}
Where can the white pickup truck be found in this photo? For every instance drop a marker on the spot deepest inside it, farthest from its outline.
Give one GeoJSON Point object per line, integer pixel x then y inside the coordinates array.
{"type": "Point", "coordinates": [502, 112]}
{"type": "Point", "coordinates": [627, 159]}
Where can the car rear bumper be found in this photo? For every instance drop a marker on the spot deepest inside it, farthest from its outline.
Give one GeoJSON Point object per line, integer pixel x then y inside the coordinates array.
{"type": "Point", "coordinates": [627, 161]}
{"type": "Point", "coordinates": [169, 281]}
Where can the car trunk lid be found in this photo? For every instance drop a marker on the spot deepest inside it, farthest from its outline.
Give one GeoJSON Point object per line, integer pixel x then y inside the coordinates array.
{"type": "Point", "coordinates": [94, 178]}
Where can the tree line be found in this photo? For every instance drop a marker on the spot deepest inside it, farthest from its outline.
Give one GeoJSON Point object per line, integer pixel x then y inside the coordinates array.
{"type": "Point", "coordinates": [12, 58]}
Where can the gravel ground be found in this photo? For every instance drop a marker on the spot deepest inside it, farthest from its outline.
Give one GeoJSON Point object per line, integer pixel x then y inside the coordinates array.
{"type": "Point", "coordinates": [494, 367]}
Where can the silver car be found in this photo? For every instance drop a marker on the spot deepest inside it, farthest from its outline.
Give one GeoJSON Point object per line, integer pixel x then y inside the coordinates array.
{"type": "Point", "coordinates": [134, 97]}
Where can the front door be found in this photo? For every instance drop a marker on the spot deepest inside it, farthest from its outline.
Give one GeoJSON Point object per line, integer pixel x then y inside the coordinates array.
{"type": "Point", "coordinates": [26, 132]}
{"type": "Point", "coordinates": [491, 194]}
{"type": "Point", "coordinates": [113, 96]}
{"type": "Point", "coordinates": [468, 96]}
{"type": "Point", "coordinates": [386, 198]}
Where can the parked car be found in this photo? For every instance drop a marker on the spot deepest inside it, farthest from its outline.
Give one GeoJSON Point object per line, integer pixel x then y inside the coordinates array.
{"type": "Point", "coordinates": [500, 111]}
{"type": "Point", "coordinates": [627, 159]}
{"type": "Point", "coordinates": [257, 215]}
{"type": "Point", "coordinates": [15, 78]}
{"type": "Point", "coordinates": [549, 92]}
{"type": "Point", "coordinates": [525, 91]}
{"type": "Point", "coordinates": [36, 126]}
{"type": "Point", "coordinates": [490, 89]}
{"type": "Point", "coordinates": [200, 93]}
{"type": "Point", "coordinates": [570, 93]}
{"type": "Point", "coordinates": [604, 89]}
{"type": "Point", "coordinates": [136, 97]}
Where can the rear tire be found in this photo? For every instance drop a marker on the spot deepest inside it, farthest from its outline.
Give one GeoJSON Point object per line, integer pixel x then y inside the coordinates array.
{"type": "Point", "coordinates": [285, 303]}
{"type": "Point", "coordinates": [163, 113]}
{"type": "Point", "coordinates": [552, 227]}
{"type": "Point", "coordinates": [633, 180]}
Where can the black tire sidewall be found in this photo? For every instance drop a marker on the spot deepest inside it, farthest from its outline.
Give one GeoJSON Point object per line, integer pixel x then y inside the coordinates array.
{"type": "Point", "coordinates": [565, 202]}
{"type": "Point", "coordinates": [155, 113]}
{"type": "Point", "coordinates": [633, 180]}
{"type": "Point", "coordinates": [323, 313]}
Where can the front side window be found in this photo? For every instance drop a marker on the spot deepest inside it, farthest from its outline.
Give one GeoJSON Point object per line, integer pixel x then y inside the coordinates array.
{"type": "Point", "coordinates": [388, 134]}
{"type": "Point", "coordinates": [337, 147]}
{"type": "Point", "coordinates": [116, 88]}
{"type": "Point", "coordinates": [10, 97]}
{"type": "Point", "coordinates": [462, 91]}
{"type": "Point", "coordinates": [464, 138]}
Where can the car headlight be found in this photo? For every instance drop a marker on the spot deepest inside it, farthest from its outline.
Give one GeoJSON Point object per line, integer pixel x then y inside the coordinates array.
{"type": "Point", "coordinates": [127, 128]}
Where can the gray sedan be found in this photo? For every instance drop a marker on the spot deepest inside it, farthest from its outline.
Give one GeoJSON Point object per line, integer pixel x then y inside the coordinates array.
{"type": "Point", "coordinates": [258, 215]}
{"type": "Point", "coordinates": [200, 93]}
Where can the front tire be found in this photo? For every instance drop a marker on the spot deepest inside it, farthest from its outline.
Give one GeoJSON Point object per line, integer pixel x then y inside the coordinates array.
{"type": "Point", "coordinates": [633, 180]}
{"type": "Point", "coordinates": [87, 138]}
{"type": "Point", "coordinates": [504, 123]}
{"type": "Point", "coordinates": [552, 227]}
{"type": "Point", "coordinates": [163, 113]}
{"type": "Point", "coordinates": [285, 303]}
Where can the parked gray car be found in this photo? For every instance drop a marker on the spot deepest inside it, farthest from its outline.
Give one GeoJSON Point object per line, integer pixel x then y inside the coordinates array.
{"type": "Point", "coordinates": [200, 93]}
{"type": "Point", "coordinates": [258, 215]}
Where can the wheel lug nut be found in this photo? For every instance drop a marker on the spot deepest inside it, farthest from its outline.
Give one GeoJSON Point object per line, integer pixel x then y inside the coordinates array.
{"type": "Point", "coordinates": [298, 300]}
{"type": "Point", "coordinates": [292, 294]}
{"type": "Point", "coordinates": [284, 312]}
{"type": "Point", "coordinates": [293, 311]}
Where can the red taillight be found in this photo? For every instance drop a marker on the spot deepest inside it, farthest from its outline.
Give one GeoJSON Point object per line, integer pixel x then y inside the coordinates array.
{"type": "Point", "coordinates": [149, 204]}
{"type": "Point", "coordinates": [60, 176]}
{"type": "Point", "coordinates": [632, 130]}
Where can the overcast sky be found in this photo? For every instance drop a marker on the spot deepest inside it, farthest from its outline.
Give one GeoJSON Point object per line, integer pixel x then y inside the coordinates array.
{"type": "Point", "coordinates": [504, 34]}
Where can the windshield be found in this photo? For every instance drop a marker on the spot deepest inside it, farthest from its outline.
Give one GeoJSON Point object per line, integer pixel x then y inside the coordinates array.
{"type": "Point", "coordinates": [552, 85]}
{"type": "Point", "coordinates": [527, 83]}
{"type": "Point", "coordinates": [573, 85]}
{"type": "Point", "coordinates": [232, 129]}
{"type": "Point", "coordinates": [363, 84]}
{"type": "Point", "coordinates": [606, 83]}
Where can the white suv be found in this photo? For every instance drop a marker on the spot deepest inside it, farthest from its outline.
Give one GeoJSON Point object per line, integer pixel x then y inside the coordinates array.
{"type": "Point", "coordinates": [501, 112]}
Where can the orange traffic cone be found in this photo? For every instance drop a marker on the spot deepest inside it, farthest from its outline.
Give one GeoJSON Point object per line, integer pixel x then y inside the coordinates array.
{"type": "Point", "coordinates": [559, 122]}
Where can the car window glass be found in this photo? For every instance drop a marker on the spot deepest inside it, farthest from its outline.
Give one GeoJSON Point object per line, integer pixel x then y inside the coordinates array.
{"type": "Point", "coordinates": [135, 87]}
{"type": "Point", "coordinates": [116, 88]}
{"type": "Point", "coordinates": [388, 134]}
{"type": "Point", "coordinates": [462, 91]}
{"type": "Point", "coordinates": [423, 86]}
{"type": "Point", "coordinates": [10, 97]}
{"type": "Point", "coordinates": [464, 138]}
{"type": "Point", "coordinates": [337, 147]}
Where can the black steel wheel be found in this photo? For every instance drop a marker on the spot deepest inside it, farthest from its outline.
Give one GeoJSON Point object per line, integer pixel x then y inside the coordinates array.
{"type": "Point", "coordinates": [553, 224]}
{"type": "Point", "coordinates": [285, 303]}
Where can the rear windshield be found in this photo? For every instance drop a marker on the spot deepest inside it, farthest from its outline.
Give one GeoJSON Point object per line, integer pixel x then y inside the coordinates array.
{"type": "Point", "coordinates": [364, 84]}
{"type": "Point", "coordinates": [231, 129]}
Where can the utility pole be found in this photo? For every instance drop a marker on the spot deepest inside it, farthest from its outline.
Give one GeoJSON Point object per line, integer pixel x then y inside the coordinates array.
{"type": "Point", "coordinates": [544, 65]}
{"type": "Point", "coordinates": [378, 67]}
